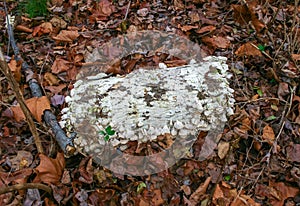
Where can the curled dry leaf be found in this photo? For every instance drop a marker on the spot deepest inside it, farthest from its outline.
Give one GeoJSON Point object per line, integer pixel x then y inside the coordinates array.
{"type": "Point", "coordinates": [58, 22]}
{"type": "Point", "coordinates": [36, 105]}
{"type": "Point", "coordinates": [44, 28]}
{"type": "Point", "coordinates": [60, 65]}
{"type": "Point", "coordinates": [50, 170]}
{"type": "Point", "coordinates": [247, 49]}
{"type": "Point", "coordinates": [23, 28]}
{"type": "Point", "coordinates": [66, 36]}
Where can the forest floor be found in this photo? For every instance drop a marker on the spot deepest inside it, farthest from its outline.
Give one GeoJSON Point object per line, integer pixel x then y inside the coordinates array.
{"type": "Point", "coordinates": [257, 159]}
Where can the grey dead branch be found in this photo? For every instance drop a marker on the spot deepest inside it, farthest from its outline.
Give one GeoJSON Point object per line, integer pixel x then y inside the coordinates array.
{"type": "Point", "coordinates": [144, 104]}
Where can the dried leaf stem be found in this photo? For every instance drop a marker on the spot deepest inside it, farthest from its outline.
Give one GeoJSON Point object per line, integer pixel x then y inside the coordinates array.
{"type": "Point", "coordinates": [25, 186]}
{"type": "Point", "coordinates": [15, 87]}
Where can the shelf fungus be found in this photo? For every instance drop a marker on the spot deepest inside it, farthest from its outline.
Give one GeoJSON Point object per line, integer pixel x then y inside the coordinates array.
{"type": "Point", "coordinates": [145, 104]}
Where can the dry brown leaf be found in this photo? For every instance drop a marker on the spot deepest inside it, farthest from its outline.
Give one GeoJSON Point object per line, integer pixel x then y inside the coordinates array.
{"type": "Point", "coordinates": [216, 42]}
{"type": "Point", "coordinates": [247, 49]}
{"type": "Point", "coordinates": [58, 22]}
{"type": "Point", "coordinates": [243, 15]}
{"type": "Point", "coordinates": [268, 135]}
{"type": "Point", "coordinates": [195, 197]}
{"type": "Point", "coordinates": [56, 89]}
{"type": "Point", "coordinates": [206, 29]}
{"type": "Point", "coordinates": [44, 28]}
{"type": "Point", "coordinates": [50, 170]}
{"type": "Point", "coordinates": [296, 57]}
{"type": "Point", "coordinates": [157, 198]}
{"type": "Point", "coordinates": [293, 152]}
{"type": "Point", "coordinates": [244, 200]}
{"type": "Point", "coordinates": [283, 90]}
{"type": "Point", "coordinates": [15, 67]}
{"type": "Point", "coordinates": [51, 79]}
{"type": "Point", "coordinates": [60, 65]}
{"type": "Point", "coordinates": [223, 148]}
{"type": "Point", "coordinates": [23, 28]}
{"type": "Point", "coordinates": [66, 36]}
{"type": "Point", "coordinates": [36, 105]}
{"type": "Point", "coordinates": [186, 28]}
{"type": "Point", "coordinates": [283, 192]}
{"type": "Point", "coordinates": [20, 176]}
{"type": "Point", "coordinates": [103, 10]}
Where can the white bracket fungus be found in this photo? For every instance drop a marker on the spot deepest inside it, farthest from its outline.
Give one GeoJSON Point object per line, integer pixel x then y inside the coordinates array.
{"type": "Point", "coordinates": [148, 103]}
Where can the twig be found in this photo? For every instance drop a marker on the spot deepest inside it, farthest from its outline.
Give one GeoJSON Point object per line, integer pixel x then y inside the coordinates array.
{"type": "Point", "coordinates": [63, 141]}
{"type": "Point", "coordinates": [25, 186]}
{"type": "Point", "coordinates": [127, 10]}
{"type": "Point", "coordinates": [15, 87]}
{"type": "Point", "coordinates": [266, 54]}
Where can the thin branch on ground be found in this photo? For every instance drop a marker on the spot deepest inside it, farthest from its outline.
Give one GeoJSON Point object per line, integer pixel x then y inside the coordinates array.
{"type": "Point", "coordinates": [63, 141]}
{"type": "Point", "coordinates": [15, 87]}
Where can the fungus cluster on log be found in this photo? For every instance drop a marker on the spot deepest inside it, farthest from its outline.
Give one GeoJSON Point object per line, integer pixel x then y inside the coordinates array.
{"type": "Point", "coordinates": [144, 104]}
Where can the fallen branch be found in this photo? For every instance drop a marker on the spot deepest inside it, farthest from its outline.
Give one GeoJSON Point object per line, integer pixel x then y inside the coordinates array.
{"type": "Point", "coordinates": [15, 87]}
{"type": "Point", "coordinates": [63, 141]}
{"type": "Point", "coordinates": [25, 186]}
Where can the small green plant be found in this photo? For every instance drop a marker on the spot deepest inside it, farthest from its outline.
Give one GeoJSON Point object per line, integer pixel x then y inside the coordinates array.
{"type": "Point", "coordinates": [140, 187]}
{"type": "Point", "coordinates": [258, 91]}
{"type": "Point", "coordinates": [261, 47]}
{"type": "Point", "coordinates": [227, 177]}
{"type": "Point", "coordinates": [34, 8]}
{"type": "Point", "coordinates": [107, 133]}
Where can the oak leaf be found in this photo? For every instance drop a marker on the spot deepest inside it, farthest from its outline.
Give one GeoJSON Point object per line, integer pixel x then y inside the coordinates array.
{"type": "Point", "coordinates": [50, 170]}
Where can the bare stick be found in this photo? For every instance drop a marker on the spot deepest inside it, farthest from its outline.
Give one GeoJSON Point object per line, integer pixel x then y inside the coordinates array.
{"type": "Point", "coordinates": [15, 87]}
{"type": "Point", "coordinates": [25, 186]}
{"type": "Point", "coordinates": [63, 141]}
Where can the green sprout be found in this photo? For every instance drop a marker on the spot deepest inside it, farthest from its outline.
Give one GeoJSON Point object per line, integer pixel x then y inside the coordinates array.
{"type": "Point", "coordinates": [107, 133]}
{"type": "Point", "coordinates": [227, 177]}
{"type": "Point", "coordinates": [261, 47]}
{"type": "Point", "coordinates": [258, 90]}
{"type": "Point", "coordinates": [140, 187]}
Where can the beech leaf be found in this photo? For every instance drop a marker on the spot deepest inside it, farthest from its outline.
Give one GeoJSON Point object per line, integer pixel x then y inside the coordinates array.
{"type": "Point", "coordinates": [36, 105]}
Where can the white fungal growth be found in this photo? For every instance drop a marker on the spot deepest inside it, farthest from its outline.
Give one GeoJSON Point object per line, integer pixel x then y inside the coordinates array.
{"type": "Point", "coordinates": [148, 103]}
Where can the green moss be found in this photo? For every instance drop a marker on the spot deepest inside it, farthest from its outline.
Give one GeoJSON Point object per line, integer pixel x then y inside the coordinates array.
{"type": "Point", "coordinates": [34, 8]}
